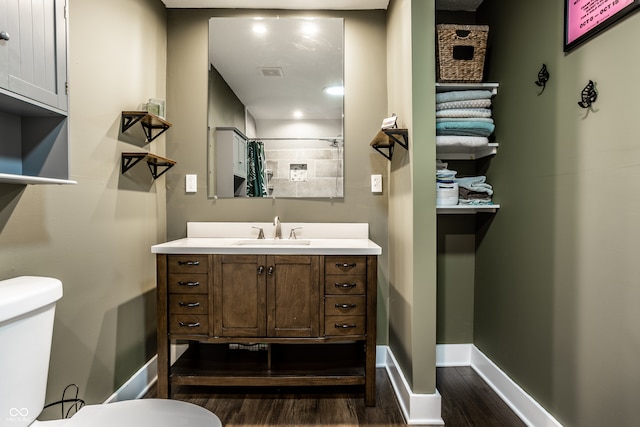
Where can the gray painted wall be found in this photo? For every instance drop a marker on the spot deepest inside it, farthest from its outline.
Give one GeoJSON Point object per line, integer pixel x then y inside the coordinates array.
{"type": "Point", "coordinates": [96, 236]}
{"type": "Point", "coordinates": [556, 287]}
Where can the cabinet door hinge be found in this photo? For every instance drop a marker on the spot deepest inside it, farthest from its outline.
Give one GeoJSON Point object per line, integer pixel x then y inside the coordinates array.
{"type": "Point", "coordinates": [66, 88]}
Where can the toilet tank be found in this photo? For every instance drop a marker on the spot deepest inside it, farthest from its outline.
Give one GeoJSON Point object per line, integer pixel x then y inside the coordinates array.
{"type": "Point", "coordinates": [27, 308]}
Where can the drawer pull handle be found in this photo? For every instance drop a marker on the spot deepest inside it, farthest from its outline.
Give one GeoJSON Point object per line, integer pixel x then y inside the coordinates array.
{"type": "Point", "coordinates": [345, 326]}
{"type": "Point", "coordinates": [188, 325]}
{"type": "Point", "coordinates": [346, 285]}
{"type": "Point", "coordinates": [345, 306]}
{"type": "Point", "coordinates": [345, 265]}
{"type": "Point", "coordinates": [190, 284]}
{"type": "Point", "coordinates": [189, 263]}
{"type": "Point", "coordinates": [189, 304]}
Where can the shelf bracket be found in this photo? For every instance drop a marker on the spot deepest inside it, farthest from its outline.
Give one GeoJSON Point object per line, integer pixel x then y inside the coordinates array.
{"type": "Point", "coordinates": [149, 128]}
{"type": "Point", "coordinates": [149, 122]}
{"type": "Point", "coordinates": [154, 162]}
{"type": "Point", "coordinates": [401, 136]}
{"type": "Point", "coordinates": [388, 154]}
{"type": "Point", "coordinates": [129, 160]}
{"type": "Point", "coordinates": [129, 120]}
{"type": "Point", "coordinates": [387, 138]}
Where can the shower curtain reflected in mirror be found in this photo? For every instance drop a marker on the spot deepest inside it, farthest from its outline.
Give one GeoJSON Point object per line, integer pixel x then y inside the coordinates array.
{"type": "Point", "coordinates": [256, 176]}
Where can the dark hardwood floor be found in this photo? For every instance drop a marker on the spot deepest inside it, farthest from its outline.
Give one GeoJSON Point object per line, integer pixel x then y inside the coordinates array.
{"type": "Point", "coordinates": [466, 401]}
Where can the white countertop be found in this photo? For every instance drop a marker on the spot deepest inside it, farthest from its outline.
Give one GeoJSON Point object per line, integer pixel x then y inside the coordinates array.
{"type": "Point", "coordinates": [241, 238]}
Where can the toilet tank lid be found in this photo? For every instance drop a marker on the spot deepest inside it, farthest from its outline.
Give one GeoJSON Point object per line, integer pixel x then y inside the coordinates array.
{"type": "Point", "coordinates": [24, 294]}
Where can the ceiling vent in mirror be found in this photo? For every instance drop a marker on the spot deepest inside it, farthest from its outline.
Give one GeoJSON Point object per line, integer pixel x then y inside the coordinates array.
{"type": "Point", "coordinates": [271, 72]}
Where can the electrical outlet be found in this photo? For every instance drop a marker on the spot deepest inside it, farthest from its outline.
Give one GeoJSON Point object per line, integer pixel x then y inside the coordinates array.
{"type": "Point", "coordinates": [376, 183]}
{"type": "Point", "coordinates": [191, 185]}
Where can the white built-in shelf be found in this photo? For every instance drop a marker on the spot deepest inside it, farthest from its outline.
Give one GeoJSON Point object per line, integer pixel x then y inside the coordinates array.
{"type": "Point", "coordinates": [466, 209]}
{"type": "Point", "coordinates": [8, 178]}
{"type": "Point", "coordinates": [466, 153]}
{"type": "Point", "coordinates": [445, 87]}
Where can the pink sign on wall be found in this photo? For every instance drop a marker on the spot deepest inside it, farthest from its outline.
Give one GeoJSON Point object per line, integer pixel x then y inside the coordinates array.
{"type": "Point", "coordinates": [584, 18]}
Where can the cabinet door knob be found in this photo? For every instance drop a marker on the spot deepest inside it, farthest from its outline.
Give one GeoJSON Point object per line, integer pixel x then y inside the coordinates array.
{"type": "Point", "coordinates": [4, 35]}
{"type": "Point", "coordinates": [270, 270]}
{"type": "Point", "coordinates": [261, 269]}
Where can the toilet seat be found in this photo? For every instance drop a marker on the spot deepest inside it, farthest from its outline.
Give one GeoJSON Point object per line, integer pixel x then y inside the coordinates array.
{"type": "Point", "coordinates": [143, 413]}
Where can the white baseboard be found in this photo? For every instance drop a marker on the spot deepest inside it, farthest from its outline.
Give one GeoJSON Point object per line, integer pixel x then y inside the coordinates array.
{"type": "Point", "coordinates": [139, 383]}
{"type": "Point", "coordinates": [424, 409]}
{"type": "Point", "coordinates": [523, 405]}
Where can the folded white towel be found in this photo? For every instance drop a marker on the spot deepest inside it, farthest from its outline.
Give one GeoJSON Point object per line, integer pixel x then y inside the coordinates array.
{"type": "Point", "coordinates": [461, 141]}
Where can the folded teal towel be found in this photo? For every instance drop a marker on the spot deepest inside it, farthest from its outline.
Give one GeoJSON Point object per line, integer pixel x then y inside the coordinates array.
{"type": "Point", "coordinates": [462, 95]}
{"type": "Point", "coordinates": [467, 127]}
{"type": "Point", "coordinates": [464, 112]}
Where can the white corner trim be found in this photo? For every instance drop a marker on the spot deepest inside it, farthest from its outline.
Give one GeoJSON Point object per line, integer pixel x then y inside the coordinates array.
{"type": "Point", "coordinates": [416, 408]}
{"type": "Point", "coordinates": [453, 355]}
{"type": "Point", "coordinates": [139, 383]}
{"type": "Point", "coordinates": [524, 406]}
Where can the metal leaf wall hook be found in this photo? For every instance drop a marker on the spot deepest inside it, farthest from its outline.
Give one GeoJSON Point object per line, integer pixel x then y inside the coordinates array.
{"type": "Point", "coordinates": [589, 95]}
{"type": "Point", "coordinates": [543, 78]}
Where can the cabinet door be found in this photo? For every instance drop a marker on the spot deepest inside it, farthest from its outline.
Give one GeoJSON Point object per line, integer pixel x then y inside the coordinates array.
{"type": "Point", "coordinates": [293, 296]}
{"type": "Point", "coordinates": [239, 296]}
{"type": "Point", "coordinates": [35, 54]}
{"type": "Point", "coordinates": [239, 156]}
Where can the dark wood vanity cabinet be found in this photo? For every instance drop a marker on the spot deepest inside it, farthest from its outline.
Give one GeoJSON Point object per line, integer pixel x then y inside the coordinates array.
{"type": "Point", "coordinates": [267, 320]}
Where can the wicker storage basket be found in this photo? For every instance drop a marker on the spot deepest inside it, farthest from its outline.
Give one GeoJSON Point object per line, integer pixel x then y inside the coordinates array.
{"type": "Point", "coordinates": [460, 52]}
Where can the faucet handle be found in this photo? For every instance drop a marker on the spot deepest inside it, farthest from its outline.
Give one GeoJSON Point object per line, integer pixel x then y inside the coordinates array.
{"type": "Point", "coordinates": [292, 234]}
{"type": "Point", "coordinates": [260, 233]}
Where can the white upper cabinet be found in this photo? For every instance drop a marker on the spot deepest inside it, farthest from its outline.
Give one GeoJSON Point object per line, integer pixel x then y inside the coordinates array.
{"type": "Point", "coordinates": [33, 61]}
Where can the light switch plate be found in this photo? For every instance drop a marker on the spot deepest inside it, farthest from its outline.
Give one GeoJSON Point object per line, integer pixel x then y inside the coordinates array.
{"type": "Point", "coordinates": [376, 183]}
{"type": "Point", "coordinates": [191, 185]}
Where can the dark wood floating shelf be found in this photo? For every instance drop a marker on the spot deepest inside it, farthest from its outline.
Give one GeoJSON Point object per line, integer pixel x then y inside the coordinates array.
{"type": "Point", "coordinates": [154, 162]}
{"type": "Point", "coordinates": [386, 139]}
{"type": "Point", "coordinates": [150, 123]}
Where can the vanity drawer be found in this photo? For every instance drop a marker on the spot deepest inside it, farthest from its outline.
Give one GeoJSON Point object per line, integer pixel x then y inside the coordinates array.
{"type": "Point", "coordinates": [189, 324]}
{"type": "Point", "coordinates": [344, 325]}
{"type": "Point", "coordinates": [345, 265]}
{"type": "Point", "coordinates": [188, 263]}
{"type": "Point", "coordinates": [344, 284]}
{"type": "Point", "coordinates": [352, 305]}
{"type": "Point", "coordinates": [188, 304]}
{"type": "Point", "coordinates": [188, 283]}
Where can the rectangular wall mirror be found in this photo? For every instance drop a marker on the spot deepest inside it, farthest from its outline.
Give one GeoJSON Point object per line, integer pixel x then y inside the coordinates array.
{"type": "Point", "coordinates": [275, 113]}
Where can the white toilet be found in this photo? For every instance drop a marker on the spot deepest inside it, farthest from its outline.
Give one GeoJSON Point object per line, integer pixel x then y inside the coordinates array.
{"type": "Point", "coordinates": [27, 307]}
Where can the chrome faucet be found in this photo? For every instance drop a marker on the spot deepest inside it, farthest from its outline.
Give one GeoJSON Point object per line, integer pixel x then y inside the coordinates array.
{"type": "Point", "coordinates": [278, 233]}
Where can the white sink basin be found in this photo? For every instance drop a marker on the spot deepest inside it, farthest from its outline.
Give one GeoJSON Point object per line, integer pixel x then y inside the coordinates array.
{"type": "Point", "coordinates": [272, 242]}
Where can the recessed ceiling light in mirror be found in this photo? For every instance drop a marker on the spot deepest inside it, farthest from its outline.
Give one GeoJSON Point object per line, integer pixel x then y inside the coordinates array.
{"type": "Point", "coordinates": [259, 29]}
{"type": "Point", "coordinates": [334, 90]}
